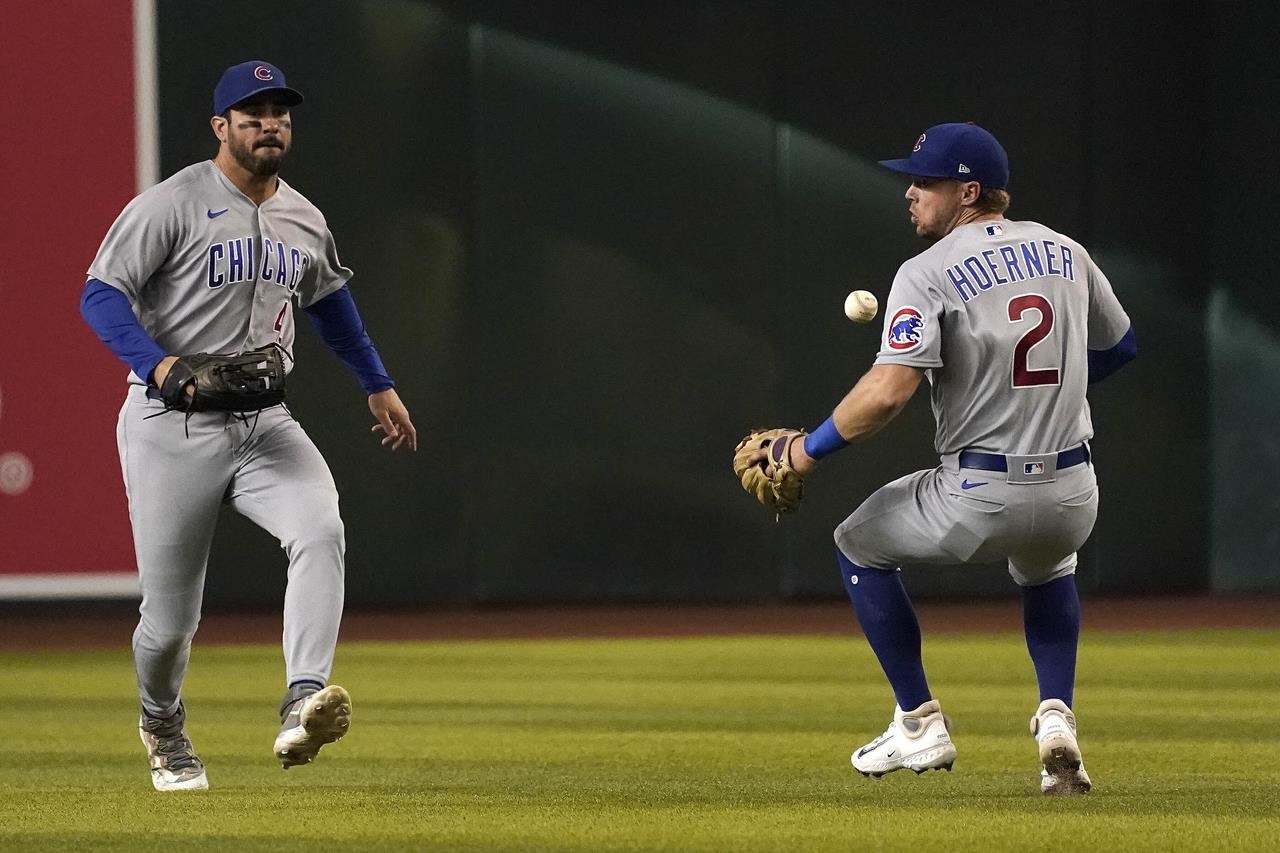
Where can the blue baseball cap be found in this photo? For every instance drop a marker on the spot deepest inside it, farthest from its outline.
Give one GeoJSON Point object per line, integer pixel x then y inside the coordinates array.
{"type": "Point", "coordinates": [243, 81]}
{"type": "Point", "coordinates": [961, 151]}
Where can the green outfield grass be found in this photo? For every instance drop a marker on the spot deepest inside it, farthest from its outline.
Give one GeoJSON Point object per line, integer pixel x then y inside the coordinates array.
{"type": "Point", "coordinates": [721, 744]}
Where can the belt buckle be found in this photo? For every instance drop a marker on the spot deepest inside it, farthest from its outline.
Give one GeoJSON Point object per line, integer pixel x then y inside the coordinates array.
{"type": "Point", "coordinates": [1032, 468]}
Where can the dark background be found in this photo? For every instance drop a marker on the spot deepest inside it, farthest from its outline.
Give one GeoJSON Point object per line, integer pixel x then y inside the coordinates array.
{"type": "Point", "coordinates": [595, 243]}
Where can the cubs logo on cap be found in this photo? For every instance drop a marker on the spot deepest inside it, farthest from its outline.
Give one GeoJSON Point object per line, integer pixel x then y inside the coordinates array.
{"type": "Point", "coordinates": [241, 82]}
{"type": "Point", "coordinates": [905, 329]}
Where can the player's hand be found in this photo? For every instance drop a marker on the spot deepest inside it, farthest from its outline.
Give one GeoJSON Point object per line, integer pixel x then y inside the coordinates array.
{"type": "Point", "coordinates": [393, 420]}
{"type": "Point", "coordinates": [161, 372]}
{"type": "Point", "coordinates": [801, 461]}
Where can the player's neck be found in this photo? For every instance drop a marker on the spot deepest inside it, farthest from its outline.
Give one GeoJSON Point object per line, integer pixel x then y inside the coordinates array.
{"type": "Point", "coordinates": [972, 215]}
{"type": "Point", "coordinates": [258, 188]}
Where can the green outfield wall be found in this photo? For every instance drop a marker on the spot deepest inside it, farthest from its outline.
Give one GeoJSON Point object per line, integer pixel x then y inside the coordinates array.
{"type": "Point", "coordinates": [596, 242]}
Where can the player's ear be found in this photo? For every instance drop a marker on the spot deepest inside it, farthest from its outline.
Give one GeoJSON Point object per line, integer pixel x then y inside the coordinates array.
{"type": "Point", "coordinates": [970, 192]}
{"type": "Point", "coordinates": [219, 125]}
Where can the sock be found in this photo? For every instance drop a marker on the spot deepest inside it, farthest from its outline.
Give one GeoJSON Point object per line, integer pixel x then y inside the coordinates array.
{"type": "Point", "coordinates": [297, 690]}
{"type": "Point", "coordinates": [889, 623]}
{"type": "Point", "coordinates": [1051, 618]}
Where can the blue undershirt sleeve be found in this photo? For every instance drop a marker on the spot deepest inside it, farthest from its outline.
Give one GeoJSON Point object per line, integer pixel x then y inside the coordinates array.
{"type": "Point", "coordinates": [338, 322]}
{"type": "Point", "coordinates": [109, 313]}
{"type": "Point", "coordinates": [1103, 363]}
{"type": "Point", "coordinates": [824, 440]}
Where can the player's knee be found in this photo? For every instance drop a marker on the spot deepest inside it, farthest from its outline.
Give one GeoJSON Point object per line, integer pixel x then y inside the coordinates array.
{"type": "Point", "coordinates": [1038, 576]}
{"type": "Point", "coordinates": [162, 641]}
{"type": "Point", "coordinates": [323, 533]}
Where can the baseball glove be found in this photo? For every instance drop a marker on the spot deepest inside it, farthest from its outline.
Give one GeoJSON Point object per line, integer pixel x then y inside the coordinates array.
{"type": "Point", "coordinates": [245, 382]}
{"type": "Point", "coordinates": [771, 480]}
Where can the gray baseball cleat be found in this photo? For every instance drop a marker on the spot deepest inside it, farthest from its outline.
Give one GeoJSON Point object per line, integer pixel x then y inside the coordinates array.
{"type": "Point", "coordinates": [1054, 728]}
{"type": "Point", "coordinates": [310, 718]}
{"type": "Point", "coordinates": [174, 764]}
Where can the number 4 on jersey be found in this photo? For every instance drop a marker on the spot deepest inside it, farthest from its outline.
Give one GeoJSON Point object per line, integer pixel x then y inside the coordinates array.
{"type": "Point", "coordinates": [279, 325]}
{"type": "Point", "coordinates": [1024, 376]}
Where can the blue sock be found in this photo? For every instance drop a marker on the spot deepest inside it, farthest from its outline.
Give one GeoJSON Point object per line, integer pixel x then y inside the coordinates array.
{"type": "Point", "coordinates": [1051, 618]}
{"type": "Point", "coordinates": [889, 623]}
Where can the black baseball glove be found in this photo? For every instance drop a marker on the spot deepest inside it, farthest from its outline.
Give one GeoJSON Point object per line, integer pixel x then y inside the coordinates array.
{"type": "Point", "coordinates": [245, 382]}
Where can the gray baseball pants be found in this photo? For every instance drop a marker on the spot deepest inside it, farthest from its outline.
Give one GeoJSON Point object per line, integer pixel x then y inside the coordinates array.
{"type": "Point", "coordinates": [951, 514]}
{"type": "Point", "coordinates": [177, 476]}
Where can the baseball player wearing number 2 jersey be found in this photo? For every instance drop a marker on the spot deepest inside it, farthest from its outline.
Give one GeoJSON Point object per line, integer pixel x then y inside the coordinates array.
{"type": "Point", "coordinates": [214, 260]}
{"type": "Point", "coordinates": [1009, 321]}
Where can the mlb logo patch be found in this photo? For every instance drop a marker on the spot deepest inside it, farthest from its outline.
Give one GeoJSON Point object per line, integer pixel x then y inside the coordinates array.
{"type": "Point", "coordinates": [1033, 467]}
{"type": "Point", "coordinates": [995, 230]}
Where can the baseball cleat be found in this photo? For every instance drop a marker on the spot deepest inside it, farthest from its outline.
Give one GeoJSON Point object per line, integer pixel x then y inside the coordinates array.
{"type": "Point", "coordinates": [917, 740]}
{"type": "Point", "coordinates": [309, 722]}
{"type": "Point", "coordinates": [1054, 728]}
{"type": "Point", "coordinates": [174, 765]}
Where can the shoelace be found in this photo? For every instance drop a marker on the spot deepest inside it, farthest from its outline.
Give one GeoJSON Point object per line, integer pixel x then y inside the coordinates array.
{"type": "Point", "coordinates": [884, 738]}
{"type": "Point", "coordinates": [175, 746]}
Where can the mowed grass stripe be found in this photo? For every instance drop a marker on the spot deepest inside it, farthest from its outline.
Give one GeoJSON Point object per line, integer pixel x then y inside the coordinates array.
{"type": "Point", "coordinates": [702, 744]}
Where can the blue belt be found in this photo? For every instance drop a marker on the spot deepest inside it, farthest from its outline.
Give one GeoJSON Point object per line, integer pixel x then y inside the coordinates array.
{"type": "Point", "coordinates": [995, 462]}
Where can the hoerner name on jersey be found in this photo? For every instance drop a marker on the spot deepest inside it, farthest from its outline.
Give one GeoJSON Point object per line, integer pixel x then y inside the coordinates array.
{"type": "Point", "coordinates": [233, 261]}
{"type": "Point", "coordinates": [1029, 259]}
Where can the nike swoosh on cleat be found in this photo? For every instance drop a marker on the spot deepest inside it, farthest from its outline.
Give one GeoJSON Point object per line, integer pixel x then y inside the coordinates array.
{"type": "Point", "coordinates": [965, 484]}
{"type": "Point", "coordinates": [214, 214]}
{"type": "Point", "coordinates": [891, 753]}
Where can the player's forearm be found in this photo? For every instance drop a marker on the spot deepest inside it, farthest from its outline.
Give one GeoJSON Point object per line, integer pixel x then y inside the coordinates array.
{"type": "Point", "coordinates": [874, 401]}
{"type": "Point", "coordinates": [108, 312]}
{"type": "Point", "coordinates": [339, 324]}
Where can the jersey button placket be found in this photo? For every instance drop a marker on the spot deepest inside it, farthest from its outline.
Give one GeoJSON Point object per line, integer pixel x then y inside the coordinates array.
{"type": "Point", "coordinates": [258, 311]}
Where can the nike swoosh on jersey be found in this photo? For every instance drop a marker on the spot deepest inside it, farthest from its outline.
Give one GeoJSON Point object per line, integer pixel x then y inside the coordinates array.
{"type": "Point", "coordinates": [965, 484]}
{"type": "Point", "coordinates": [214, 214]}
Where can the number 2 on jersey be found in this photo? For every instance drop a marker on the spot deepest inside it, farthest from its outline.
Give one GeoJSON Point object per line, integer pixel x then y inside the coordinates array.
{"type": "Point", "coordinates": [1024, 376]}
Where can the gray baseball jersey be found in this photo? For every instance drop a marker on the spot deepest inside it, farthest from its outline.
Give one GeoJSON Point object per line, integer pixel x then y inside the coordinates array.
{"type": "Point", "coordinates": [207, 270]}
{"type": "Point", "coordinates": [1001, 315]}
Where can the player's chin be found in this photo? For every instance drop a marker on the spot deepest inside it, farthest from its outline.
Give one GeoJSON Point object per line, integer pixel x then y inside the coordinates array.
{"type": "Point", "coordinates": [265, 166]}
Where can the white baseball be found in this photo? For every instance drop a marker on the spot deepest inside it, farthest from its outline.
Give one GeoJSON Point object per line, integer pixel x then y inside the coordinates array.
{"type": "Point", "coordinates": [861, 306]}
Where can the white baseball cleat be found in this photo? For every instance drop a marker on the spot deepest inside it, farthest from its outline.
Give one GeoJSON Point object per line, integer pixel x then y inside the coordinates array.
{"type": "Point", "coordinates": [917, 740]}
{"type": "Point", "coordinates": [1054, 728]}
{"type": "Point", "coordinates": [174, 765]}
{"type": "Point", "coordinates": [309, 722]}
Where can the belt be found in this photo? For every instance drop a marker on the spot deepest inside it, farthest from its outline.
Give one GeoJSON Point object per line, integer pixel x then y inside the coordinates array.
{"type": "Point", "coordinates": [153, 393]}
{"type": "Point", "coordinates": [996, 462]}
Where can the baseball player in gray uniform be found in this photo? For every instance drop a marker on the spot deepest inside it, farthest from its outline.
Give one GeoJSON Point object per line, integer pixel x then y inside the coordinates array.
{"type": "Point", "coordinates": [216, 259]}
{"type": "Point", "coordinates": [1009, 322]}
